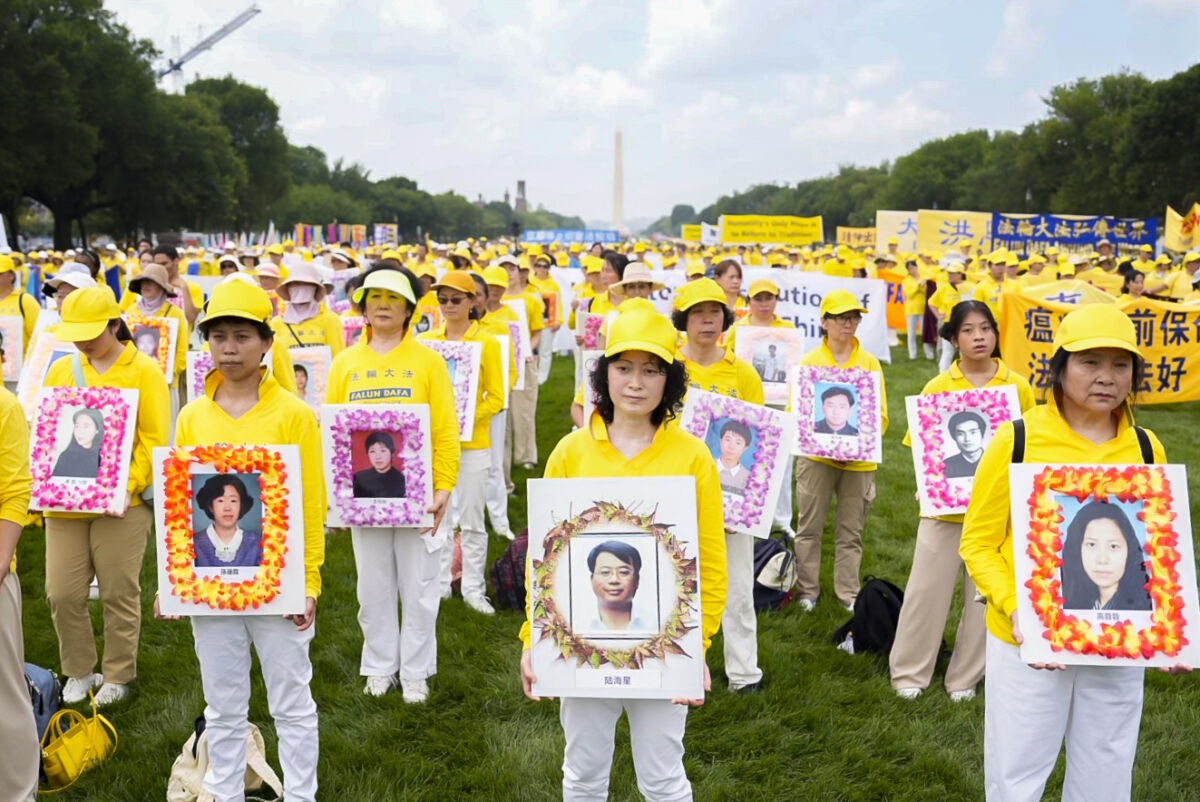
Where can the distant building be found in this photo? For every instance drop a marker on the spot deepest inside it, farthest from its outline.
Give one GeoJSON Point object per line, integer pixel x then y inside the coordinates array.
{"type": "Point", "coordinates": [522, 204]}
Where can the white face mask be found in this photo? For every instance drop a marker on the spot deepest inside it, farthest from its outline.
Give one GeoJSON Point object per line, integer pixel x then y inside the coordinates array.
{"type": "Point", "coordinates": [301, 293]}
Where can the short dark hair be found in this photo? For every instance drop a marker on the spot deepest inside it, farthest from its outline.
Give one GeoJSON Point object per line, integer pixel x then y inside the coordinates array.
{"type": "Point", "coordinates": [299, 368]}
{"type": "Point", "coordinates": [738, 428]}
{"type": "Point", "coordinates": [380, 438]}
{"type": "Point", "coordinates": [622, 551]}
{"type": "Point", "coordinates": [725, 265]}
{"type": "Point", "coordinates": [673, 391]}
{"type": "Point", "coordinates": [215, 486]}
{"type": "Point", "coordinates": [679, 318]}
{"type": "Point", "coordinates": [167, 251]}
{"type": "Point", "coordinates": [837, 389]}
{"type": "Point", "coordinates": [966, 416]}
{"type": "Point", "coordinates": [1058, 369]}
{"type": "Point", "coordinates": [617, 261]}
{"type": "Point", "coordinates": [958, 318]}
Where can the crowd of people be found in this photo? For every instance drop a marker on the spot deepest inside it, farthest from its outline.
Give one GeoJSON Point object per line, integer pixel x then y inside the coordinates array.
{"type": "Point", "coordinates": [263, 302]}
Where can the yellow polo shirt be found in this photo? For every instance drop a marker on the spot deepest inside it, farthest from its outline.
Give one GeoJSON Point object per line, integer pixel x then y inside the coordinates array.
{"type": "Point", "coordinates": [490, 397]}
{"type": "Point", "coordinates": [410, 373]}
{"type": "Point", "coordinates": [279, 418]}
{"type": "Point", "coordinates": [325, 328]}
{"type": "Point", "coordinates": [821, 356]}
{"type": "Point", "coordinates": [23, 305]}
{"type": "Point", "coordinates": [16, 483]}
{"type": "Point", "coordinates": [587, 452]}
{"type": "Point", "coordinates": [987, 545]}
{"type": "Point", "coordinates": [727, 376]}
{"type": "Point", "coordinates": [914, 295]}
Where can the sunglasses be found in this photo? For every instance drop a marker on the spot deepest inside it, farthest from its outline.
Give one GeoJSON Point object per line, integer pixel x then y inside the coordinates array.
{"type": "Point", "coordinates": [455, 301]}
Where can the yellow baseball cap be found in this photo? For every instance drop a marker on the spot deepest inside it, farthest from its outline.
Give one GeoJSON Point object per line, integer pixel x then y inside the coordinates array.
{"type": "Point", "coordinates": [86, 313]}
{"type": "Point", "coordinates": [641, 328]}
{"type": "Point", "coordinates": [695, 269]}
{"type": "Point", "coordinates": [7, 265]}
{"type": "Point", "coordinates": [1146, 249]}
{"type": "Point", "coordinates": [777, 259]}
{"type": "Point", "coordinates": [496, 276]}
{"type": "Point", "coordinates": [839, 302]}
{"type": "Point", "coordinates": [1191, 256]}
{"type": "Point", "coordinates": [235, 297]}
{"type": "Point", "coordinates": [698, 292]}
{"type": "Point", "coordinates": [276, 249]}
{"type": "Point", "coordinates": [763, 285]}
{"type": "Point", "coordinates": [593, 264]}
{"type": "Point", "coordinates": [458, 280]}
{"type": "Point", "coordinates": [1093, 326]}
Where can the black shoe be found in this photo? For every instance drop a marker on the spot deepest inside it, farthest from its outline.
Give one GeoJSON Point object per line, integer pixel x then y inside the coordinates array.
{"type": "Point", "coordinates": [752, 688]}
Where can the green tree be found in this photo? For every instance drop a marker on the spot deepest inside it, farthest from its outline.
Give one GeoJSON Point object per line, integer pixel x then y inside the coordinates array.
{"type": "Point", "coordinates": [308, 165]}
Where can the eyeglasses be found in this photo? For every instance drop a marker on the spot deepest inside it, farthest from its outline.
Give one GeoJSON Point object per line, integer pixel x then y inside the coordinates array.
{"type": "Point", "coordinates": [848, 317]}
{"type": "Point", "coordinates": [455, 301]}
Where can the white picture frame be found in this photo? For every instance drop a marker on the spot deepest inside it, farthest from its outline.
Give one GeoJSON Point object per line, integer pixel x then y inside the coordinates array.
{"type": "Point", "coordinates": [464, 361]}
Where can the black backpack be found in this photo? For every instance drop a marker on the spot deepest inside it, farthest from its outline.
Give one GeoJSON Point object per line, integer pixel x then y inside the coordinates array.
{"type": "Point", "coordinates": [774, 573]}
{"type": "Point", "coordinates": [508, 574]}
{"type": "Point", "coordinates": [872, 627]}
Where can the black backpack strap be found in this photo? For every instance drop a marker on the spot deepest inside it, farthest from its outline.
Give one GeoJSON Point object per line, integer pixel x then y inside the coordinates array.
{"type": "Point", "coordinates": [1018, 454]}
{"type": "Point", "coordinates": [295, 336]}
{"type": "Point", "coordinates": [1144, 444]}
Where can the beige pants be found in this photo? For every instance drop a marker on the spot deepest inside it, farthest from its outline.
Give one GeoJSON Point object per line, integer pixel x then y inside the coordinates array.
{"type": "Point", "coordinates": [816, 485]}
{"type": "Point", "coordinates": [18, 732]}
{"type": "Point", "coordinates": [111, 549]}
{"type": "Point", "coordinates": [936, 567]}
{"type": "Point", "coordinates": [523, 416]}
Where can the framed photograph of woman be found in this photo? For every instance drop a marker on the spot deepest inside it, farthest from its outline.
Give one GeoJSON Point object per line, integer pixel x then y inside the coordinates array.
{"type": "Point", "coordinates": [1105, 565]}
{"type": "Point", "coordinates": [614, 599]}
{"type": "Point", "coordinates": [352, 329]}
{"type": "Point", "coordinates": [465, 379]}
{"type": "Point", "coordinates": [12, 341]}
{"type": "Point", "coordinates": [426, 318]}
{"type": "Point", "coordinates": [229, 539]}
{"type": "Point", "coordinates": [156, 337]}
{"type": "Point", "coordinates": [45, 351]}
{"type": "Point", "coordinates": [379, 468]}
{"type": "Point", "coordinates": [311, 366]}
{"type": "Point", "coordinates": [771, 351]}
{"type": "Point", "coordinates": [749, 444]}
{"type": "Point", "coordinates": [949, 432]}
{"type": "Point", "coordinates": [81, 444]}
{"type": "Point", "coordinates": [590, 358]}
{"type": "Point", "coordinates": [519, 333]}
{"type": "Point", "coordinates": [837, 412]}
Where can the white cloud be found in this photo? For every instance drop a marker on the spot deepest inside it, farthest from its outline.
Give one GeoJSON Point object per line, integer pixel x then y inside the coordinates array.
{"type": "Point", "coordinates": [592, 88]}
{"type": "Point", "coordinates": [870, 76]}
{"type": "Point", "coordinates": [1168, 5]}
{"type": "Point", "coordinates": [1019, 36]}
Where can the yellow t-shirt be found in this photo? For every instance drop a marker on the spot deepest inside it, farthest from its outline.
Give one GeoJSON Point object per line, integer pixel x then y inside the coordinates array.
{"type": "Point", "coordinates": [325, 328]}
{"type": "Point", "coordinates": [278, 419]}
{"type": "Point", "coordinates": [534, 307]}
{"type": "Point", "coordinates": [551, 299]}
{"type": "Point", "coordinates": [133, 370]}
{"type": "Point", "coordinates": [728, 376]}
{"type": "Point", "coordinates": [914, 295]}
{"type": "Point", "coordinates": [16, 483]}
{"type": "Point", "coordinates": [587, 452]}
{"type": "Point", "coordinates": [987, 546]}
{"type": "Point", "coordinates": [821, 356]}
{"type": "Point", "coordinates": [23, 305]}
{"type": "Point", "coordinates": [490, 397]}
{"type": "Point", "coordinates": [989, 290]}
{"type": "Point", "coordinates": [410, 373]}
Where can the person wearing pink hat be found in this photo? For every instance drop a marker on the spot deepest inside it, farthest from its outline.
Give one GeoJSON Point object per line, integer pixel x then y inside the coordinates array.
{"type": "Point", "coordinates": [305, 322]}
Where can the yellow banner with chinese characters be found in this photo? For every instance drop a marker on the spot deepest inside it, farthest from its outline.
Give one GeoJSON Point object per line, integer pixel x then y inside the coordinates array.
{"type": "Point", "coordinates": [1167, 335]}
{"type": "Point", "coordinates": [690, 233]}
{"type": "Point", "coordinates": [1182, 232]}
{"type": "Point", "coordinates": [737, 229]}
{"type": "Point", "coordinates": [856, 237]}
{"type": "Point", "coordinates": [943, 231]}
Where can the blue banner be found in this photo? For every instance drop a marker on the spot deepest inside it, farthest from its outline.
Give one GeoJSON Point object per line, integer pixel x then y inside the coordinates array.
{"type": "Point", "coordinates": [1030, 233]}
{"type": "Point", "coordinates": [583, 235]}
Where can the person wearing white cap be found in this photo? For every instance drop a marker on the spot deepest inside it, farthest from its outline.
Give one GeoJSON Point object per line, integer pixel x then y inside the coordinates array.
{"type": "Point", "coordinates": [70, 277]}
{"type": "Point", "coordinates": [305, 321]}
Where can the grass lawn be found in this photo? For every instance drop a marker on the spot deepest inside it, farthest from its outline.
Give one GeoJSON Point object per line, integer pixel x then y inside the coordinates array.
{"type": "Point", "coordinates": [828, 726]}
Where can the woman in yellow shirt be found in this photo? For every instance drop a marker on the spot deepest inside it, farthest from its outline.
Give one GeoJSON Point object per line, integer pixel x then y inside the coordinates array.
{"type": "Point", "coordinates": [152, 290]}
{"type": "Point", "coordinates": [388, 367]}
{"type": "Point", "coordinates": [949, 292]}
{"type": "Point", "coordinates": [764, 298]}
{"type": "Point", "coordinates": [15, 302]}
{"type": "Point", "coordinates": [455, 296]}
{"type": "Point", "coordinates": [1087, 418]}
{"type": "Point", "coordinates": [243, 404]}
{"type": "Point", "coordinates": [913, 287]}
{"type": "Point", "coordinates": [109, 547]}
{"type": "Point", "coordinates": [728, 274]}
{"type": "Point", "coordinates": [496, 493]}
{"type": "Point", "coordinates": [640, 387]}
{"type": "Point", "coordinates": [305, 321]}
{"type": "Point", "coordinates": [819, 480]}
{"type": "Point", "coordinates": [936, 565]}
{"type": "Point", "coordinates": [703, 313]}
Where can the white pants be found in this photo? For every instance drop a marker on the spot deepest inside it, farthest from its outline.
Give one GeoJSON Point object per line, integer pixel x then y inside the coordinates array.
{"type": "Point", "coordinates": [497, 496]}
{"type": "Point", "coordinates": [739, 622]}
{"type": "Point", "coordinates": [655, 738]}
{"type": "Point", "coordinates": [468, 498]}
{"type": "Point", "coordinates": [223, 647]}
{"type": "Point", "coordinates": [916, 326]}
{"type": "Point", "coordinates": [1098, 709]}
{"type": "Point", "coordinates": [948, 352]}
{"type": "Point", "coordinates": [545, 356]}
{"type": "Point", "coordinates": [783, 507]}
{"type": "Point", "coordinates": [391, 562]}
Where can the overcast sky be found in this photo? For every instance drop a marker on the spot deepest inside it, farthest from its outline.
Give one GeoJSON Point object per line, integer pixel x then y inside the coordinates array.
{"type": "Point", "coordinates": [712, 95]}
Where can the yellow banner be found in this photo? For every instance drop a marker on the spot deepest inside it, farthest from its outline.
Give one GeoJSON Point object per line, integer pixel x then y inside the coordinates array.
{"type": "Point", "coordinates": [1182, 232]}
{"type": "Point", "coordinates": [942, 231]}
{"type": "Point", "coordinates": [856, 237]}
{"type": "Point", "coordinates": [690, 233]}
{"type": "Point", "coordinates": [1167, 335]}
{"type": "Point", "coordinates": [1072, 291]}
{"type": "Point", "coordinates": [737, 229]}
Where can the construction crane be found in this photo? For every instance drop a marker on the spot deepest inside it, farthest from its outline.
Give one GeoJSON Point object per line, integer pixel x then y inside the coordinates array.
{"type": "Point", "coordinates": [176, 65]}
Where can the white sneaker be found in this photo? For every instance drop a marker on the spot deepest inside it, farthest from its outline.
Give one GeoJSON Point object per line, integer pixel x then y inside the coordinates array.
{"type": "Point", "coordinates": [378, 686]}
{"type": "Point", "coordinates": [479, 604]}
{"type": "Point", "coordinates": [962, 696]}
{"type": "Point", "coordinates": [850, 607]}
{"type": "Point", "coordinates": [807, 605]}
{"type": "Point", "coordinates": [111, 692]}
{"type": "Point", "coordinates": [415, 691]}
{"type": "Point", "coordinates": [908, 693]}
{"type": "Point", "coordinates": [507, 535]}
{"type": "Point", "coordinates": [94, 590]}
{"type": "Point", "coordinates": [76, 688]}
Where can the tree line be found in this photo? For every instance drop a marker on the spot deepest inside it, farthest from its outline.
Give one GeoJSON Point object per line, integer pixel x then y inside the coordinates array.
{"type": "Point", "coordinates": [89, 135]}
{"type": "Point", "coordinates": [1122, 144]}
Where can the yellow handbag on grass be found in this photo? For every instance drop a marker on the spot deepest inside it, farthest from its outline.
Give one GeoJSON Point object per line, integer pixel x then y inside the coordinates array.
{"type": "Point", "coordinates": [74, 743]}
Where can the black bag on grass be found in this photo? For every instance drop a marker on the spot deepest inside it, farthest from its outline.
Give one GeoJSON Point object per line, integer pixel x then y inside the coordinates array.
{"type": "Point", "coordinates": [774, 573]}
{"type": "Point", "coordinates": [872, 627]}
{"type": "Point", "coordinates": [508, 574]}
